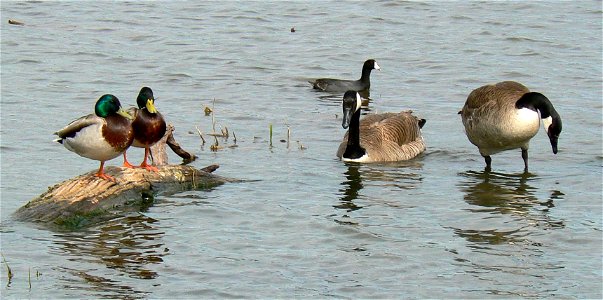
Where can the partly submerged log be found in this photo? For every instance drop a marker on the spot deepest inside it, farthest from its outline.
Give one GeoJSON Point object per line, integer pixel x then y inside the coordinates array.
{"type": "Point", "coordinates": [88, 199]}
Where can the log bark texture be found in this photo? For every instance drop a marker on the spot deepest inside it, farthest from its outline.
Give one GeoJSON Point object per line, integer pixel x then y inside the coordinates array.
{"type": "Point", "coordinates": [90, 197]}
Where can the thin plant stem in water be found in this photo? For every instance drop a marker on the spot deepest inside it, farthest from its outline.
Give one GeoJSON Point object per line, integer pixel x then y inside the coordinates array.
{"type": "Point", "coordinates": [288, 135]}
{"type": "Point", "coordinates": [200, 135]}
{"type": "Point", "coordinates": [270, 135]}
{"type": "Point", "coordinates": [9, 271]}
{"type": "Point", "coordinates": [213, 119]}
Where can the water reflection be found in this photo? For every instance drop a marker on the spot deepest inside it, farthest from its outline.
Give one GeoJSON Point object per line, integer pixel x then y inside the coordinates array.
{"type": "Point", "coordinates": [335, 99]}
{"type": "Point", "coordinates": [351, 186]}
{"type": "Point", "coordinates": [503, 226]}
{"type": "Point", "coordinates": [504, 193]}
{"type": "Point", "coordinates": [387, 177]}
{"type": "Point", "coordinates": [126, 246]}
{"type": "Point", "coordinates": [491, 193]}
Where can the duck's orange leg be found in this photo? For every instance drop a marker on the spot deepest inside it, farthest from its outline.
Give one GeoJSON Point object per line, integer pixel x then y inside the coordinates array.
{"type": "Point", "coordinates": [102, 174]}
{"type": "Point", "coordinates": [144, 162]}
{"type": "Point", "coordinates": [126, 163]}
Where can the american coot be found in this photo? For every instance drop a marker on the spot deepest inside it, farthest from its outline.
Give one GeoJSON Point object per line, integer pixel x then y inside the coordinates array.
{"type": "Point", "coordinates": [101, 136]}
{"type": "Point", "coordinates": [379, 137]}
{"type": "Point", "coordinates": [340, 85]}
{"type": "Point", "coordinates": [506, 116]}
{"type": "Point", "coordinates": [149, 126]}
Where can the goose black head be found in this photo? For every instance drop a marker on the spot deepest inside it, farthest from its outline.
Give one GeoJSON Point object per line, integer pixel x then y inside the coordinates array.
{"type": "Point", "coordinates": [351, 104]}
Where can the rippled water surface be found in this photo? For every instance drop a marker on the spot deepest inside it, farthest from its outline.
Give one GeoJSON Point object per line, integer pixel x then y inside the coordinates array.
{"type": "Point", "coordinates": [304, 224]}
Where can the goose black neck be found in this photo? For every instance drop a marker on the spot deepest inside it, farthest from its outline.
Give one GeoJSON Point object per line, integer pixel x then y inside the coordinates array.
{"type": "Point", "coordinates": [353, 149]}
{"type": "Point", "coordinates": [537, 101]}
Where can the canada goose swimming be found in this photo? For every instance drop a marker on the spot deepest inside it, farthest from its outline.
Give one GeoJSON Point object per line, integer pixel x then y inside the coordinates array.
{"type": "Point", "coordinates": [506, 116]}
{"type": "Point", "coordinates": [148, 125]}
{"type": "Point", "coordinates": [379, 137]}
{"type": "Point", "coordinates": [101, 136]}
{"type": "Point", "coordinates": [340, 85]}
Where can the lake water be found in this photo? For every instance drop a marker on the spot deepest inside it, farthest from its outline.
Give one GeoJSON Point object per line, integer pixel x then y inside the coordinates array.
{"type": "Point", "coordinates": [304, 224]}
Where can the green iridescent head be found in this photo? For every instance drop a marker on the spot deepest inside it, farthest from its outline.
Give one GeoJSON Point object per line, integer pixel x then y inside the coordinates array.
{"type": "Point", "coordinates": [107, 105]}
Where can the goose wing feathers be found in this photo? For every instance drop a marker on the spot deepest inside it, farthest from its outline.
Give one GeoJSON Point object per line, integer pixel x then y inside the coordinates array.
{"type": "Point", "coordinates": [495, 95]}
{"type": "Point", "coordinates": [399, 128]}
{"type": "Point", "coordinates": [389, 136]}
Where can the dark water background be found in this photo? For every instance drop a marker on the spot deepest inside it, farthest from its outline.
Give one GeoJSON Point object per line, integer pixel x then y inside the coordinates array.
{"type": "Point", "coordinates": [307, 225]}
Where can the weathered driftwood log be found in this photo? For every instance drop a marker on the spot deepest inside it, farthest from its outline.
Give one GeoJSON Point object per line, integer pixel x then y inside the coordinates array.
{"type": "Point", "coordinates": [89, 199]}
{"type": "Point", "coordinates": [159, 154]}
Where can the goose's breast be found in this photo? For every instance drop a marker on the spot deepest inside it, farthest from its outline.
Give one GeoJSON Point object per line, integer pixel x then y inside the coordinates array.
{"type": "Point", "coordinates": [502, 130]}
{"type": "Point", "coordinates": [524, 123]}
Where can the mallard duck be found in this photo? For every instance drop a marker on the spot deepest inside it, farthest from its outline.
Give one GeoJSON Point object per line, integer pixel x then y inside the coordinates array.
{"type": "Point", "coordinates": [101, 136]}
{"type": "Point", "coordinates": [506, 116]}
{"type": "Point", "coordinates": [148, 125]}
{"type": "Point", "coordinates": [340, 85]}
{"type": "Point", "coordinates": [379, 137]}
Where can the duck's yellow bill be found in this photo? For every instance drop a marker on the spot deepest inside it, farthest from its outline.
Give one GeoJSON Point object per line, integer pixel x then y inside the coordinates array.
{"type": "Point", "coordinates": [124, 114]}
{"type": "Point", "coordinates": [151, 106]}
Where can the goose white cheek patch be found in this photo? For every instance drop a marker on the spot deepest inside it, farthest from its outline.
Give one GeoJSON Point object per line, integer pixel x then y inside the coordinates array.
{"type": "Point", "coordinates": [546, 122]}
{"type": "Point", "coordinates": [377, 67]}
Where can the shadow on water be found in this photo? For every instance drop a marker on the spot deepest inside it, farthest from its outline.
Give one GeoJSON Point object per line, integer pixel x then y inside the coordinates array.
{"type": "Point", "coordinates": [127, 247]}
{"type": "Point", "coordinates": [491, 193]}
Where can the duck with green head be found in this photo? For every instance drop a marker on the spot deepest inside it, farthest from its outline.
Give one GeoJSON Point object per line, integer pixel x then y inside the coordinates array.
{"type": "Point", "coordinates": [148, 125]}
{"type": "Point", "coordinates": [101, 136]}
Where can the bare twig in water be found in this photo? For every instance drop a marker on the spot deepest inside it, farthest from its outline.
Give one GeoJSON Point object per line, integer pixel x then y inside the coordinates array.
{"type": "Point", "coordinates": [200, 135]}
{"type": "Point", "coordinates": [271, 135]}
{"type": "Point", "coordinates": [225, 132]}
{"type": "Point", "coordinates": [213, 119]}
{"type": "Point", "coordinates": [288, 135]}
{"type": "Point", "coordinates": [215, 146]}
{"type": "Point", "coordinates": [9, 271]}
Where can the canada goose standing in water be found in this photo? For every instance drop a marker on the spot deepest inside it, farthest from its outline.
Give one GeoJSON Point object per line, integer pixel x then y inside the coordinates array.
{"type": "Point", "coordinates": [341, 85]}
{"type": "Point", "coordinates": [379, 137]}
{"type": "Point", "coordinates": [506, 116]}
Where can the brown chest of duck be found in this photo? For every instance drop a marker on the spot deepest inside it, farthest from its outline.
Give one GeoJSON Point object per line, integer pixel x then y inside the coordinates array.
{"type": "Point", "coordinates": [148, 125]}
